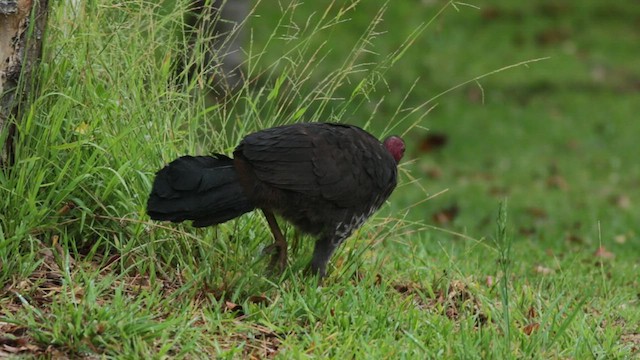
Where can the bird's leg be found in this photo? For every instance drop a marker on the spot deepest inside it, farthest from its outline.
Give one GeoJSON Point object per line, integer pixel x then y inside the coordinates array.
{"type": "Point", "coordinates": [279, 246]}
{"type": "Point", "coordinates": [324, 248]}
{"type": "Point", "coordinates": [295, 241]}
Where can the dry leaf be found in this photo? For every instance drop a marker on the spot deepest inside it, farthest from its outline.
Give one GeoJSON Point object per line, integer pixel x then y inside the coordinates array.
{"type": "Point", "coordinates": [537, 213]}
{"type": "Point", "coordinates": [527, 231]}
{"type": "Point", "coordinates": [491, 12]}
{"type": "Point", "coordinates": [530, 328]}
{"type": "Point", "coordinates": [378, 280]}
{"type": "Point", "coordinates": [620, 239]}
{"type": "Point", "coordinates": [573, 144]}
{"type": "Point", "coordinates": [432, 172]}
{"type": "Point", "coordinates": [12, 340]}
{"type": "Point", "coordinates": [402, 288]}
{"type": "Point", "coordinates": [82, 128]}
{"type": "Point", "coordinates": [259, 299]}
{"type": "Point", "coordinates": [431, 142]}
{"type": "Point", "coordinates": [573, 238]}
{"type": "Point", "coordinates": [231, 306]}
{"type": "Point", "coordinates": [603, 253]}
{"type": "Point", "coordinates": [552, 36]}
{"type": "Point", "coordinates": [622, 201]}
{"type": "Point", "coordinates": [542, 270]}
{"type": "Point", "coordinates": [553, 10]}
{"type": "Point", "coordinates": [531, 313]}
{"type": "Point", "coordinates": [475, 94]}
{"type": "Point", "coordinates": [557, 182]}
{"type": "Point", "coordinates": [489, 281]}
{"type": "Point", "coordinates": [68, 206]}
{"type": "Point", "coordinates": [446, 215]}
{"type": "Point", "coordinates": [631, 338]}
{"type": "Point", "coordinates": [500, 191]}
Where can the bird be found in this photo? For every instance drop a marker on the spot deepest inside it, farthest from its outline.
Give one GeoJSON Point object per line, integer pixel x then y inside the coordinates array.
{"type": "Point", "coordinates": [326, 179]}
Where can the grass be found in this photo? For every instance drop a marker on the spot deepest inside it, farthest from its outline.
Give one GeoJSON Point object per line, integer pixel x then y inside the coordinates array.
{"type": "Point", "coordinates": [439, 272]}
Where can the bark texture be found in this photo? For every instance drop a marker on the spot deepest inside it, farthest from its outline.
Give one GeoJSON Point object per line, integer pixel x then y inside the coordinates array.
{"type": "Point", "coordinates": [22, 24]}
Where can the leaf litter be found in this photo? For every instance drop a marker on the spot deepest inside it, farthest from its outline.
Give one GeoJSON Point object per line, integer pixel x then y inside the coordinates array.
{"type": "Point", "coordinates": [39, 290]}
{"type": "Point", "coordinates": [455, 301]}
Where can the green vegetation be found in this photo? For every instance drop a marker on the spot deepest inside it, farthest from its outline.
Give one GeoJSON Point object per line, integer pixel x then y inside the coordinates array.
{"type": "Point", "coordinates": [445, 270]}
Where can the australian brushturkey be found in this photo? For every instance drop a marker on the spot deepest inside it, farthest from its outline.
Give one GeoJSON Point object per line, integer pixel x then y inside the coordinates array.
{"type": "Point", "coordinates": [326, 179]}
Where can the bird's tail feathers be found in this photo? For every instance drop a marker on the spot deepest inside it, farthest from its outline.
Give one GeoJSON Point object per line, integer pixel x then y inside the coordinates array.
{"type": "Point", "coordinates": [204, 189]}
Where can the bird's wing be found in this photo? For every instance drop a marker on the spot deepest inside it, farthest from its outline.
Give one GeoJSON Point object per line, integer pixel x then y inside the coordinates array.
{"type": "Point", "coordinates": [281, 157]}
{"type": "Point", "coordinates": [339, 163]}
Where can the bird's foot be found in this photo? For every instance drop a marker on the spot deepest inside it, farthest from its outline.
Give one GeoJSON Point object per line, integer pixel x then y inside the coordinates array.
{"type": "Point", "coordinates": [278, 253]}
{"type": "Point", "coordinates": [279, 246]}
{"type": "Point", "coordinates": [314, 270]}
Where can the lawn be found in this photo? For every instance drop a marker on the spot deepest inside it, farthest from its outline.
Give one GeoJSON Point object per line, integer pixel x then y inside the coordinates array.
{"type": "Point", "coordinates": [512, 233]}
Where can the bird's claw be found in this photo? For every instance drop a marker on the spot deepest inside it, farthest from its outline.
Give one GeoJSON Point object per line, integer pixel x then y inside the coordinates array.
{"type": "Point", "coordinates": [278, 256]}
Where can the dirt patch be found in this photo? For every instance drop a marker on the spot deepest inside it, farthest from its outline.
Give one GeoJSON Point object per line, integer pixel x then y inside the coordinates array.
{"type": "Point", "coordinates": [632, 340]}
{"type": "Point", "coordinates": [259, 343]}
{"type": "Point", "coordinates": [455, 301]}
{"type": "Point", "coordinates": [37, 292]}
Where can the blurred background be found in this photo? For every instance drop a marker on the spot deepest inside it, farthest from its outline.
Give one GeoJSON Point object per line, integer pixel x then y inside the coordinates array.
{"type": "Point", "coordinates": [557, 137]}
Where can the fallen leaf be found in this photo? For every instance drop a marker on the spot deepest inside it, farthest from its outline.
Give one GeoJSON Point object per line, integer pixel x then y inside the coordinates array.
{"type": "Point", "coordinates": [432, 141]}
{"type": "Point", "coordinates": [100, 328]}
{"type": "Point", "coordinates": [530, 328]}
{"type": "Point", "coordinates": [631, 338]}
{"type": "Point", "coordinates": [553, 10]}
{"type": "Point", "coordinates": [542, 270]}
{"type": "Point", "coordinates": [527, 231]}
{"type": "Point", "coordinates": [402, 288]}
{"type": "Point", "coordinates": [455, 300]}
{"type": "Point", "coordinates": [68, 206]}
{"type": "Point", "coordinates": [432, 172]}
{"type": "Point", "coordinates": [620, 239]}
{"type": "Point", "coordinates": [500, 191]}
{"type": "Point", "coordinates": [475, 94]}
{"type": "Point", "coordinates": [491, 13]}
{"type": "Point", "coordinates": [141, 282]}
{"type": "Point", "coordinates": [573, 144]}
{"type": "Point", "coordinates": [552, 36]}
{"type": "Point", "coordinates": [622, 201]}
{"type": "Point", "coordinates": [573, 238]}
{"type": "Point", "coordinates": [233, 307]}
{"type": "Point", "coordinates": [451, 312]}
{"type": "Point", "coordinates": [378, 280]}
{"type": "Point", "coordinates": [259, 299]}
{"type": "Point", "coordinates": [13, 341]}
{"type": "Point", "coordinates": [557, 182]}
{"type": "Point", "coordinates": [446, 215]}
{"type": "Point", "coordinates": [10, 329]}
{"type": "Point", "coordinates": [82, 128]}
{"type": "Point", "coordinates": [537, 213]}
{"type": "Point", "coordinates": [603, 253]}
{"type": "Point", "coordinates": [12, 349]}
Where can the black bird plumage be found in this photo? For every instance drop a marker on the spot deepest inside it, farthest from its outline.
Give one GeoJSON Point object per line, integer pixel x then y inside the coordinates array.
{"type": "Point", "coordinates": [326, 179]}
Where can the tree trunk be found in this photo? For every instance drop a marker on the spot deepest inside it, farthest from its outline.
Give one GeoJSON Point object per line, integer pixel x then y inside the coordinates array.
{"type": "Point", "coordinates": [219, 24]}
{"type": "Point", "coordinates": [22, 24]}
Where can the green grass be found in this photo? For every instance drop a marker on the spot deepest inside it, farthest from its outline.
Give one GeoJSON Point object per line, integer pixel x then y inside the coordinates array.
{"type": "Point", "coordinates": [84, 272]}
